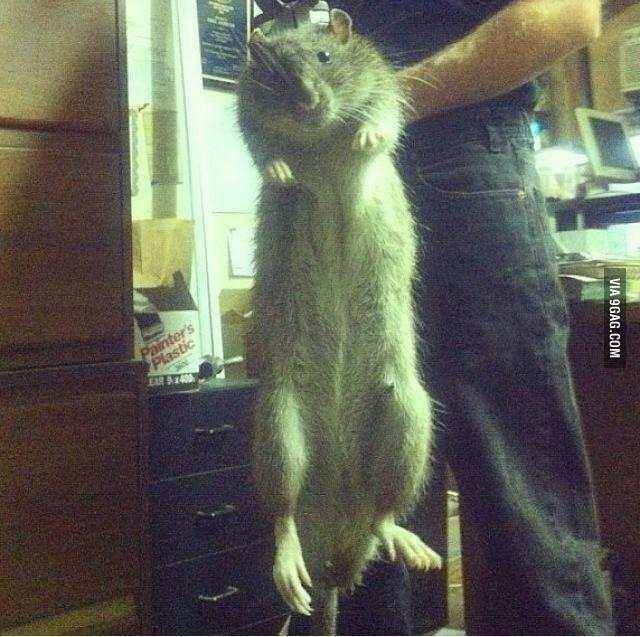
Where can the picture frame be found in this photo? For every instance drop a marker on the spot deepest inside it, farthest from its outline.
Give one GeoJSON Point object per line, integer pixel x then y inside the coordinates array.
{"type": "Point", "coordinates": [224, 27]}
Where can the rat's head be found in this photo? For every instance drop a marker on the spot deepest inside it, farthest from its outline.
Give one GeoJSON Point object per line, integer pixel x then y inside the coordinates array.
{"type": "Point", "coordinates": [311, 78]}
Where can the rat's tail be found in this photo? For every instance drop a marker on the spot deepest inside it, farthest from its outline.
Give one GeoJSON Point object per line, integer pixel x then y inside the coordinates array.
{"type": "Point", "coordinates": [325, 612]}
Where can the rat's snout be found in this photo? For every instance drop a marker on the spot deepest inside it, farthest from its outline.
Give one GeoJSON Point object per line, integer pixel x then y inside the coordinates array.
{"type": "Point", "coordinates": [305, 100]}
{"type": "Point", "coordinates": [306, 108]}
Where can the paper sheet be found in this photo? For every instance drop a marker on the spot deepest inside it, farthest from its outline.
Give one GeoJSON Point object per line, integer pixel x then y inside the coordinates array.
{"type": "Point", "coordinates": [241, 251]}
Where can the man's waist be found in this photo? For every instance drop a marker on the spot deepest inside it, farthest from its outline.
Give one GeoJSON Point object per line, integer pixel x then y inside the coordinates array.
{"type": "Point", "coordinates": [493, 124]}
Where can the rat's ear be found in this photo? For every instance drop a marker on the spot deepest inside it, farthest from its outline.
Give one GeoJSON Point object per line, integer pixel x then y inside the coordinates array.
{"type": "Point", "coordinates": [340, 25]}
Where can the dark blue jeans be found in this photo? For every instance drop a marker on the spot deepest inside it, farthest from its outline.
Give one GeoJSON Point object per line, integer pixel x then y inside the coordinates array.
{"type": "Point", "coordinates": [494, 336]}
{"type": "Point", "coordinates": [495, 330]}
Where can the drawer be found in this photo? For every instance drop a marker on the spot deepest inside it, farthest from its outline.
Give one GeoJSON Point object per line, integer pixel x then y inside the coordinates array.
{"type": "Point", "coordinates": [84, 445]}
{"type": "Point", "coordinates": [204, 513]}
{"type": "Point", "coordinates": [61, 243]}
{"type": "Point", "coordinates": [198, 431]}
{"type": "Point", "coordinates": [217, 594]}
{"type": "Point", "coordinates": [71, 431]}
{"type": "Point", "coordinates": [58, 554]}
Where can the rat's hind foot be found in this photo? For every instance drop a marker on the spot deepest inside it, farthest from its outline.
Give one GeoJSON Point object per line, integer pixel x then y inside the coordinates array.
{"type": "Point", "coordinates": [400, 541]}
{"type": "Point", "coordinates": [289, 570]}
{"type": "Point", "coordinates": [278, 173]}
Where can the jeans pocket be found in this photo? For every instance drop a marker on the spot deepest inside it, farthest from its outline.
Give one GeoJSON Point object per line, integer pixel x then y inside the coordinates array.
{"type": "Point", "coordinates": [474, 181]}
{"type": "Point", "coordinates": [486, 236]}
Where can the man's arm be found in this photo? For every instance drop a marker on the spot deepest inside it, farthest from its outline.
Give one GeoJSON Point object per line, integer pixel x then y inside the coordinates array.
{"type": "Point", "coordinates": [502, 53]}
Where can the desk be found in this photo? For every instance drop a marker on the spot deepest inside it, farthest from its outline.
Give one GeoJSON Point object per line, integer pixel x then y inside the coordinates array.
{"type": "Point", "coordinates": [609, 401]}
{"type": "Point", "coordinates": [597, 212]}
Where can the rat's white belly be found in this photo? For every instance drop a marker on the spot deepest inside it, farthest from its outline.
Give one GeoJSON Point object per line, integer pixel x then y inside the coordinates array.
{"type": "Point", "coordinates": [336, 287]}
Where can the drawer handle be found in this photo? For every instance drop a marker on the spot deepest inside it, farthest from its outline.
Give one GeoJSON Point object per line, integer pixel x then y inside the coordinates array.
{"type": "Point", "coordinates": [202, 431]}
{"type": "Point", "coordinates": [214, 599]}
{"type": "Point", "coordinates": [225, 509]}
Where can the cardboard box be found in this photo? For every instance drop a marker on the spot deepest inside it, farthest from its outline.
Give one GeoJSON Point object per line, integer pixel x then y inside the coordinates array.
{"type": "Point", "coordinates": [166, 332]}
{"type": "Point", "coordinates": [160, 248]}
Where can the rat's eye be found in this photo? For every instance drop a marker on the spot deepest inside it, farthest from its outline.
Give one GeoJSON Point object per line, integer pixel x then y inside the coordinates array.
{"type": "Point", "coordinates": [324, 57]}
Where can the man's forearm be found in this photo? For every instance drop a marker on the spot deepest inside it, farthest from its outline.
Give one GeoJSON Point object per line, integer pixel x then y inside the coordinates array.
{"type": "Point", "coordinates": [501, 54]}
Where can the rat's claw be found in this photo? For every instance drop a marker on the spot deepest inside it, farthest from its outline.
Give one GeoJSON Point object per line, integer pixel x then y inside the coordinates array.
{"type": "Point", "coordinates": [424, 557]}
{"type": "Point", "coordinates": [289, 570]}
{"type": "Point", "coordinates": [428, 557]}
{"type": "Point", "coordinates": [304, 574]}
{"type": "Point", "coordinates": [290, 588]}
{"type": "Point", "coordinates": [435, 561]}
{"type": "Point", "coordinates": [408, 552]}
{"type": "Point", "coordinates": [410, 547]}
{"type": "Point", "coordinates": [279, 173]}
{"type": "Point", "coordinates": [368, 138]}
{"type": "Point", "coordinates": [299, 596]}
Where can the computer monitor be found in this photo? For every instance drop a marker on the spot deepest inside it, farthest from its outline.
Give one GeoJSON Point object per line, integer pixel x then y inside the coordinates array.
{"type": "Point", "coordinates": [606, 141]}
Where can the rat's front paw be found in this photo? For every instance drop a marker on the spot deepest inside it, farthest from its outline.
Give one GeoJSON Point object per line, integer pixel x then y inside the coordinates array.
{"type": "Point", "coordinates": [398, 540]}
{"type": "Point", "coordinates": [290, 574]}
{"type": "Point", "coordinates": [278, 173]}
{"type": "Point", "coordinates": [370, 138]}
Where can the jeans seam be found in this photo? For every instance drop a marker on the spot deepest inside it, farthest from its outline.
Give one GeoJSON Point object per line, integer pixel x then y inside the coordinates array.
{"type": "Point", "coordinates": [534, 223]}
{"type": "Point", "coordinates": [472, 193]}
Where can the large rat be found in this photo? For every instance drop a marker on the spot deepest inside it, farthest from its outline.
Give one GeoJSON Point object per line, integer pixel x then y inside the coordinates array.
{"type": "Point", "coordinates": [343, 424]}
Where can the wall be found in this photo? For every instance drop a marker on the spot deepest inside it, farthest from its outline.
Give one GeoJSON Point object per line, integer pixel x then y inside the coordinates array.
{"type": "Point", "coordinates": [604, 60]}
{"type": "Point", "coordinates": [164, 162]}
{"type": "Point", "coordinates": [229, 192]}
{"type": "Point", "coordinates": [229, 183]}
{"type": "Point", "coordinates": [589, 77]}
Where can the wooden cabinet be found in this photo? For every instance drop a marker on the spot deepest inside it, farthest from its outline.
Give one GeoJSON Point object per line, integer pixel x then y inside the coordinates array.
{"type": "Point", "coordinates": [65, 290]}
{"type": "Point", "coordinates": [65, 223]}
{"type": "Point", "coordinates": [70, 487]}
{"type": "Point", "coordinates": [72, 401]}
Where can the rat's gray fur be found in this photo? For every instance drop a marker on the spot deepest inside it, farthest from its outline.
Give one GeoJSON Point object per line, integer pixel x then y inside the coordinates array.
{"type": "Point", "coordinates": [343, 424]}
